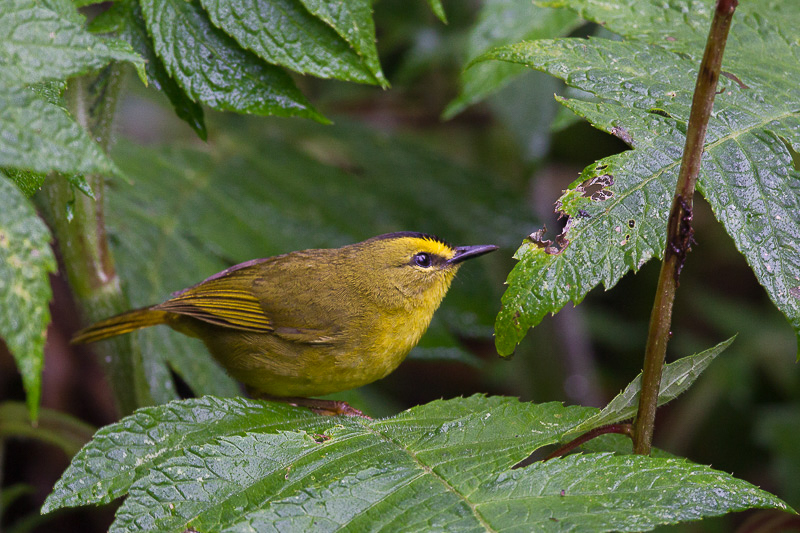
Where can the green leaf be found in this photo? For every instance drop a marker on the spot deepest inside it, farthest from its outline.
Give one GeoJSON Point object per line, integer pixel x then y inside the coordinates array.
{"type": "Point", "coordinates": [447, 465]}
{"type": "Point", "coordinates": [28, 182]}
{"type": "Point", "coordinates": [213, 70]}
{"type": "Point", "coordinates": [438, 10]}
{"type": "Point", "coordinates": [125, 17]}
{"type": "Point", "coordinates": [127, 450]}
{"type": "Point", "coordinates": [41, 137]}
{"type": "Point", "coordinates": [285, 33]}
{"type": "Point", "coordinates": [676, 378]}
{"type": "Point", "coordinates": [40, 44]}
{"type": "Point", "coordinates": [322, 186]}
{"type": "Point", "coordinates": [26, 262]}
{"type": "Point", "coordinates": [617, 209]}
{"type": "Point", "coordinates": [502, 22]}
{"type": "Point", "coordinates": [352, 20]}
{"type": "Point", "coordinates": [52, 427]}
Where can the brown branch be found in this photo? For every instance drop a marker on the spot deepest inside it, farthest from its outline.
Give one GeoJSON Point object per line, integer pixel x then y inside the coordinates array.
{"type": "Point", "coordinates": [679, 228]}
{"type": "Point", "coordinates": [622, 429]}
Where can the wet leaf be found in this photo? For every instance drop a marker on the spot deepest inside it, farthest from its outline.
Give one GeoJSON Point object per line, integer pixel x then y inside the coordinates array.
{"type": "Point", "coordinates": [285, 33]}
{"type": "Point", "coordinates": [213, 70]}
{"type": "Point", "coordinates": [643, 87]}
{"type": "Point", "coordinates": [45, 41]}
{"type": "Point", "coordinates": [40, 136]}
{"type": "Point", "coordinates": [235, 465]}
{"type": "Point", "coordinates": [26, 262]}
{"type": "Point", "coordinates": [125, 18]}
{"type": "Point", "coordinates": [353, 22]}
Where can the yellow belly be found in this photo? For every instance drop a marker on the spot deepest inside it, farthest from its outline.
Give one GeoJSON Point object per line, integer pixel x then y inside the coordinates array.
{"type": "Point", "coordinates": [279, 367]}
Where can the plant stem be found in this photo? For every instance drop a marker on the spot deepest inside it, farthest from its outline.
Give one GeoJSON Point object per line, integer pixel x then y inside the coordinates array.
{"type": "Point", "coordinates": [622, 429]}
{"type": "Point", "coordinates": [679, 225]}
{"type": "Point", "coordinates": [82, 240]}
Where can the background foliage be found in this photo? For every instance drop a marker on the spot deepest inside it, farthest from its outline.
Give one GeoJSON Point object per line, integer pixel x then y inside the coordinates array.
{"type": "Point", "coordinates": [180, 209]}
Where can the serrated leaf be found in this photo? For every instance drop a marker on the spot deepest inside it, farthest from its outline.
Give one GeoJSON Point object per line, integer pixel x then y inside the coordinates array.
{"type": "Point", "coordinates": [285, 33]}
{"type": "Point", "coordinates": [127, 450]}
{"type": "Point", "coordinates": [26, 262]}
{"type": "Point", "coordinates": [41, 137]}
{"type": "Point", "coordinates": [40, 44]}
{"type": "Point", "coordinates": [353, 22]}
{"type": "Point", "coordinates": [323, 186]}
{"type": "Point", "coordinates": [502, 22]}
{"type": "Point", "coordinates": [213, 70]}
{"type": "Point", "coordinates": [602, 492]}
{"type": "Point", "coordinates": [447, 465]}
{"type": "Point", "coordinates": [617, 209]}
{"type": "Point", "coordinates": [676, 378]}
{"type": "Point", "coordinates": [125, 17]}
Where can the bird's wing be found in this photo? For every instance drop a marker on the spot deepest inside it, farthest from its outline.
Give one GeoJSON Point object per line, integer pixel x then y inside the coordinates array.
{"type": "Point", "coordinates": [225, 299]}
{"type": "Point", "coordinates": [303, 316]}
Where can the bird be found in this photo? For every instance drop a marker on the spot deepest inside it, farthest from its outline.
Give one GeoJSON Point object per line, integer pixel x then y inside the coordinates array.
{"type": "Point", "coordinates": [311, 322]}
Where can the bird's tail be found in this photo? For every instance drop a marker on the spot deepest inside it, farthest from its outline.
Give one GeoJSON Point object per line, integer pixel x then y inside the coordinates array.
{"type": "Point", "coordinates": [117, 325]}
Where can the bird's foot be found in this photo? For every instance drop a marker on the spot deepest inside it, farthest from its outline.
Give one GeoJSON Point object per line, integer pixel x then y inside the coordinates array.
{"type": "Point", "coordinates": [321, 407]}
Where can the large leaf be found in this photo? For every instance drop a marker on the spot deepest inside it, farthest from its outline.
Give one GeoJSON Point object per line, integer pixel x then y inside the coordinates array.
{"type": "Point", "coordinates": [617, 209]}
{"type": "Point", "coordinates": [284, 32]}
{"type": "Point", "coordinates": [213, 70]}
{"type": "Point", "coordinates": [26, 262]}
{"type": "Point", "coordinates": [319, 187]}
{"type": "Point", "coordinates": [503, 22]}
{"type": "Point", "coordinates": [125, 18]}
{"type": "Point", "coordinates": [43, 42]}
{"type": "Point", "coordinates": [447, 465]}
{"type": "Point", "coordinates": [41, 136]}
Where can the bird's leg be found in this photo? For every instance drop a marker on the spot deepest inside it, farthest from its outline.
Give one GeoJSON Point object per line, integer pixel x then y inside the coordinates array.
{"type": "Point", "coordinates": [321, 407]}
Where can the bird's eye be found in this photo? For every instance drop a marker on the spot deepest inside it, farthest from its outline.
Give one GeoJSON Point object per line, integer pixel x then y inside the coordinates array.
{"type": "Point", "coordinates": [422, 259]}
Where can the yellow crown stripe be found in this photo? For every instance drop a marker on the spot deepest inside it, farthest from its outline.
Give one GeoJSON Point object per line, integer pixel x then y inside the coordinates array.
{"type": "Point", "coordinates": [435, 247]}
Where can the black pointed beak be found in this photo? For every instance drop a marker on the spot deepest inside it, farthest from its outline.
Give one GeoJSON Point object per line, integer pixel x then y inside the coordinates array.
{"type": "Point", "coordinates": [468, 252]}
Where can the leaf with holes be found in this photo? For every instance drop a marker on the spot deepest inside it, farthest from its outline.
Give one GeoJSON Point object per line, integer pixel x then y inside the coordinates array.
{"type": "Point", "coordinates": [617, 209]}
{"type": "Point", "coordinates": [233, 465]}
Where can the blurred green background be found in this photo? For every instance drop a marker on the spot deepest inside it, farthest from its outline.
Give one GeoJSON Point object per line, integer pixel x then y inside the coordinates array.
{"type": "Point", "coordinates": [262, 186]}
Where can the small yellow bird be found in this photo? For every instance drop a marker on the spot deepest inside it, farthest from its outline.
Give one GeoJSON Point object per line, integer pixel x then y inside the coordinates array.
{"type": "Point", "coordinates": [312, 322]}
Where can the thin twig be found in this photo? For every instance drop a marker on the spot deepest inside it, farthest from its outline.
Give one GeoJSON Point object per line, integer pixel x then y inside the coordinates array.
{"type": "Point", "coordinates": [679, 228]}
